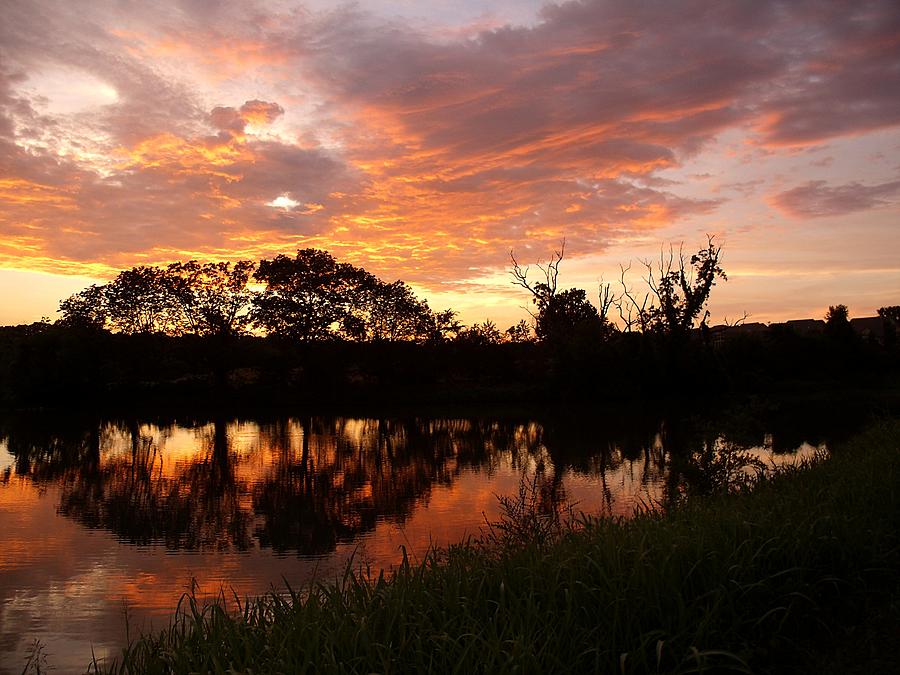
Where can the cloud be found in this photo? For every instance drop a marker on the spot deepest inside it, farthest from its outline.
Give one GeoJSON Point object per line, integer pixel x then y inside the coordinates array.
{"type": "Point", "coordinates": [424, 152]}
{"type": "Point", "coordinates": [261, 112]}
{"type": "Point", "coordinates": [162, 197]}
{"type": "Point", "coordinates": [839, 83]}
{"type": "Point", "coordinates": [817, 199]}
{"type": "Point", "coordinates": [252, 112]}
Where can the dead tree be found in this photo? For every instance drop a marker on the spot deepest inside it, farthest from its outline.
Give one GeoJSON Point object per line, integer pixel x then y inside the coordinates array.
{"type": "Point", "coordinates": [679, 290]}
{"type": "Point", "coordinates": [543, 291]}
{"type": "Point", "coordinates": [607, 300]}
{"type": "Point", "coordinates": [560, 315]}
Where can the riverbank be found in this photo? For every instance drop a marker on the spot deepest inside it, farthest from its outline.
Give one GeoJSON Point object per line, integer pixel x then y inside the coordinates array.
{"type": "Point", "coordinates": [764, 581]}
{"type": "Point", "coordinates": [47, 367]}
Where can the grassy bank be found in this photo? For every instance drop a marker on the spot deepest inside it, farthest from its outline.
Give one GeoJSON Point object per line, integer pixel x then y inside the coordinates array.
{"type": "Point", "coordinates": [752, 582]}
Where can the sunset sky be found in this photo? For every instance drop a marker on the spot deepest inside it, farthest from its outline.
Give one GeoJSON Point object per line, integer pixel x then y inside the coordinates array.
{"type": "Point", "coordinates": [424, 140]}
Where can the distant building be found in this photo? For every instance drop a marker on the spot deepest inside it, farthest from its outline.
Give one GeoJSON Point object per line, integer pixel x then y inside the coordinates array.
{"type": "Point", "coordinates": [869, 327]}
{"type": "Point", "coordinates": [805, 326]}
{"type": "Point", "coordinates": [722, 332]}
{"type": "Point", "coordinates": [754, 328]}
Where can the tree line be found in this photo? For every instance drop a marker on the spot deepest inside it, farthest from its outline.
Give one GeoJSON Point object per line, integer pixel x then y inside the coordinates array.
{"type": "Point", "coordinates": [309, 297]}
{"type": "Point", "coordinates": [335, 331]}
{"type": "Point", "coordinates": [674, 300]}
{"type": "Point", "coordinates": [313, 297]}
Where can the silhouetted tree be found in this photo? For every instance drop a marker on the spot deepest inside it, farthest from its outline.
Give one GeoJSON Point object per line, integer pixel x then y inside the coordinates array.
{"type": "Point", "coordinates": [520, 332]}
{"type": "Point", "coordinates": [891, 318]}
{"type": "Point", "coordinates": [139, 300]}
{"type": "Point", "coordinates": [559, 315]}
{"type": "Point", "coordinates": [679, 290]}
{"type": "Point", "coordinates": [86, 309]}
{"type": "Point", "coordinates": [890, 313]}
{"type": "Point", "coordinates": [567, 313]}
{"type": "Point", "coordinates": [306, 297]}
{"type": "Point", "coordinates": [381, 311]}
{"type": "Point", "coordinates": [213, 297]}
{"type": "Point", "coordinates": [837, 322]}
{"type": "Point", "coordinates": [443, 326]}
{"type": "Point", "coordinates": [837, 315]}
{"type": "Point", "coordinates": [309, 297]}
{"type": "Point", "coordinates": [480, 334]}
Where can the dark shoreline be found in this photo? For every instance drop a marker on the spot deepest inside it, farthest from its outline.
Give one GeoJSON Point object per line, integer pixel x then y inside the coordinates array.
{"type": "Point", "coordinates": [51, 367]}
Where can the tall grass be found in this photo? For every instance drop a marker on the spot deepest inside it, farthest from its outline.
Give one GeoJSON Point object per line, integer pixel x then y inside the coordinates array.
{"type": "Point", "coordinates": [741, 582]}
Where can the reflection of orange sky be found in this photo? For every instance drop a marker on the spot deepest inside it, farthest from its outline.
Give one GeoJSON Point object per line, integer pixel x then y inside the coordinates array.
{"type": "Point", "coordinates": [71, 584]}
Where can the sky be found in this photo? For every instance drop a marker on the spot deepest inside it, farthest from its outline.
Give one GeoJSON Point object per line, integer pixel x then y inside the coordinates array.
{"type": "Point", "coordinates": [425, 141]}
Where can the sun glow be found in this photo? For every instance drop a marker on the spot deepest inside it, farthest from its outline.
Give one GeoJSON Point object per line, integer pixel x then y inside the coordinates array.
{"type": "Point", "coordinates": [63, 91]}
{"type": "Point", "coordinates": [284, 202]}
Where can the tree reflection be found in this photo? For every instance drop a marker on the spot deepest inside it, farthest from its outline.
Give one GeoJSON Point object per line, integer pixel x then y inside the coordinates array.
{"type": "Point", "coordinates": [46, 449]}
{"type": "Point", "coordinates": [306, 485]}
{"type": "Point", "coordinates": [351, 473]}
{"type": "Point", "coordinates": [197, 508]}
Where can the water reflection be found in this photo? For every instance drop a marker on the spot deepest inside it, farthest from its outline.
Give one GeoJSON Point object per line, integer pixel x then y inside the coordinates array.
{"type": "Point", "coordinates": [100, 512]}
{"type": "Point", "coordinates": [296, 485]}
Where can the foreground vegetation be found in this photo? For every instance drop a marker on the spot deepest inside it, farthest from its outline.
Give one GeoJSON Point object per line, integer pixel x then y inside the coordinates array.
{"type": "Point", "coordinates": [745, 581]}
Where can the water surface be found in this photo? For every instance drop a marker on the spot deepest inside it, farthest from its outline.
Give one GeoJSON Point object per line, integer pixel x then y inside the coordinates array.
{"type": "Point", "coordinates": [105, 524]}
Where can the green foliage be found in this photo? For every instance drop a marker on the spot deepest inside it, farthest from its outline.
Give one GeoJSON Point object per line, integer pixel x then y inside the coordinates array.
{"type": "Point", "coordinates": [718, 467]}
{"type": "Point", "coordinates": [533, 516]}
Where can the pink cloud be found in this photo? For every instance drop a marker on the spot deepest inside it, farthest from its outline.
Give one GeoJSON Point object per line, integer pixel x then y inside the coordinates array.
{"type": "Point", "coordinates": [235, 120]}
{"type": "Point", "coordinates": [817, 199]}
{"type": "Point", "coordinates": [430, 155]}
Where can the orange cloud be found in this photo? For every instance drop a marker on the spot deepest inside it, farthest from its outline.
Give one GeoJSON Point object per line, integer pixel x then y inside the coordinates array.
{"type": "Point", "coordinates": [421, 152]}
{"type": "Point", "coordinates": [180, 155]}
{"type": "Point", "coordinates": [16, 191]}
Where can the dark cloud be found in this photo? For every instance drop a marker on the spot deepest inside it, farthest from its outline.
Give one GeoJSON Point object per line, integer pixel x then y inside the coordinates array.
{"type": "Point", "coordinates": [817, 199]}
{"type": "Point", "coordinates": [227, 118]}
{"type": "Point", "coordinates": [44, 37]}
{"type": "Point", "coordinates": [745, 188]}
{"type": "Point", "coordinates": [842, 76]}
{"type": "Point", "coordinates": [672, 72]}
